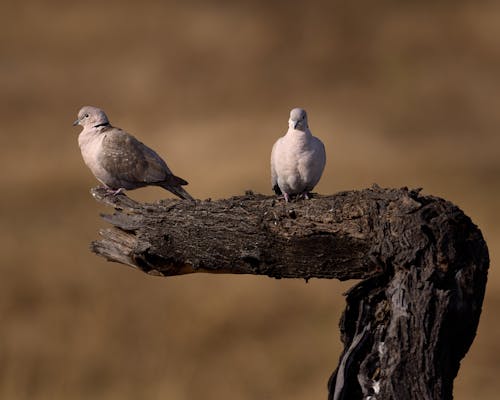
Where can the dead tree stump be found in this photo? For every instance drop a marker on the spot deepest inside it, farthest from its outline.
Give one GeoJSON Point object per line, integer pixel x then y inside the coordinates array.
{"type": "Point", "coordinates": [423, 262]}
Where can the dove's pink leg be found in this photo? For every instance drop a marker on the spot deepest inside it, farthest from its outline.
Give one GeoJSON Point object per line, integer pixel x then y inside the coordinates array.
{"type": "Point", "coordinates": [287, 198]}
{"type": "Point", "coordinates": [118, 191]}
{"type": "Point", "coordinates": [113, 191]}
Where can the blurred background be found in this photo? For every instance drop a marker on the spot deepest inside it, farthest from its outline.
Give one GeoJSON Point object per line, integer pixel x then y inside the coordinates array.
{"type": "Point", "coordinates": [401, 93]}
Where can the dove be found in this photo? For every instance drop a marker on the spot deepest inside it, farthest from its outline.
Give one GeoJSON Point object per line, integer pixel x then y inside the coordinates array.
{"type": "Point", "coordinates": [118, 160]}
{"type": "Point", "coordinates": [297, 159]}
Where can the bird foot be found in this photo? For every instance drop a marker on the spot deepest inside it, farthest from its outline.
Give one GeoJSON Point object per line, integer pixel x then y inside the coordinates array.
{"type": "Point", "coordinates": [305, 195]}
{"type": "Point", "coordinates": [114, 192]}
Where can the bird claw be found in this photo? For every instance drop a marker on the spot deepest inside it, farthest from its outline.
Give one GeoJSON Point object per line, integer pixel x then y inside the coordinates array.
{"type": "Point", "coordinates": [113, 192]}
{"type": "Point", "coordinates": [118, 191]}
{"type": "Point", "coordinates": [305, 195]}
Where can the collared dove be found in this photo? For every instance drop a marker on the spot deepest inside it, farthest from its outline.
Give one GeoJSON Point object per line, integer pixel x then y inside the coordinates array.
{"type": "Point", "coordinates": [119, 160]}
{"type": "Point", "coordinates": [297, 159]}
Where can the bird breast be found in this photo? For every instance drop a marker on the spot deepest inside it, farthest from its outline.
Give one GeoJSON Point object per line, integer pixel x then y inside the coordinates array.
{"type": "Point", "coordinates": [293, 165]}
{"type": "Point", "coordinates": [90, 143]}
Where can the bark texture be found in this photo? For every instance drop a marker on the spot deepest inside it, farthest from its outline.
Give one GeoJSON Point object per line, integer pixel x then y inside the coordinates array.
{"type": "Point", "coordinates": [422, 262]}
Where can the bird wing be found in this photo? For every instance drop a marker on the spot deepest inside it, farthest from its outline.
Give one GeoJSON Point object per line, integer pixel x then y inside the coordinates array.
{"type": "Point", "coordinates": [318, 161]}
{"type": "Point", "coordinates": [274, 175]}
{"type": "Point", "coordinates": [130, 160]}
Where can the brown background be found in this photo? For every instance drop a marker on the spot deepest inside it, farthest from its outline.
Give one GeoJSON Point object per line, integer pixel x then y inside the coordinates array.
{"type": "Point", "coordinates": [401, 93]}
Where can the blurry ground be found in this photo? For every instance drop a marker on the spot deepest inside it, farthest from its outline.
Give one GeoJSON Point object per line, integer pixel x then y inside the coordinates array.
{"type": "Point", "coordinates": [402, 95]}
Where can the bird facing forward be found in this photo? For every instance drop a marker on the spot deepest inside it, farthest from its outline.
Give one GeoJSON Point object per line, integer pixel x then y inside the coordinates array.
{"type": "Point", "coordinates": [297, 159]}
{"type": "Point", "coordinates": [120, 161]}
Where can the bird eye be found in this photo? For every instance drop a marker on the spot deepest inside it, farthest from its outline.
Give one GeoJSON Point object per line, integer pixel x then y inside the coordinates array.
{"type": "Point", "coordinates": [86, 115]}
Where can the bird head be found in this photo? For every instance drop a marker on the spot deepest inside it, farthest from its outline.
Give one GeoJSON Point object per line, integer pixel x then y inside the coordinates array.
{"type": "Point", "coordinates": [298, 119]}
{"type": "Point", "coordinates": [89, 116]}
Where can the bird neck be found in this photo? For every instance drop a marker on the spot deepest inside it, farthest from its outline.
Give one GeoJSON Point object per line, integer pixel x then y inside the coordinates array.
{"type": "Point", "coordinates": [298, 133]}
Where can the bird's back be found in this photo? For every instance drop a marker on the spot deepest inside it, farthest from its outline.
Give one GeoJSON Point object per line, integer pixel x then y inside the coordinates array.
{"type": "Point", "coordinates": [130, 161]}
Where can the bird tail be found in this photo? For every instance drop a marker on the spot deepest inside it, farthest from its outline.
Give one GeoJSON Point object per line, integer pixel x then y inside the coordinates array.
{"type": "Point", "coordinates": [174, 184]}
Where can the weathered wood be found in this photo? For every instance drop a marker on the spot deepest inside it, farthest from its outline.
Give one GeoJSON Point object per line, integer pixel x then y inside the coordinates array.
{"type": "Point", "coordinates": [423, 263]}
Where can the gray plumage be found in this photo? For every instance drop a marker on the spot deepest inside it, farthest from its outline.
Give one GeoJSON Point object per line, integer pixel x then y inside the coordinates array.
{"type": "Point", "coordinates": [297, 159]}
{"type": "Point", "coordinates": [120, 161]}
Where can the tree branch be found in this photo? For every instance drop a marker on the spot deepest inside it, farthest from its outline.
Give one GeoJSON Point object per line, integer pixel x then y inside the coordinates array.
{"type": "Point", "coordinates": [406, 326]}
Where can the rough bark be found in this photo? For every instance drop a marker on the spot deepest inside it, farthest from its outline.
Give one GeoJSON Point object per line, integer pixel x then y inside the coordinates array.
{"type": "Point", "coordinates": [423, 263]}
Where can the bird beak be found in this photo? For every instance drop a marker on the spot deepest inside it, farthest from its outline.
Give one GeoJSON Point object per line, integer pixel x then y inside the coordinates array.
{"type": "Point", "coordinates": [295, 124]}
{"type": "Point", "coordinates": [76, 122]}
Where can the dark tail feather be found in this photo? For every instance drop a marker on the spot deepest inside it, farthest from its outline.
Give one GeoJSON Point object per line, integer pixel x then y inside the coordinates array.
{"type": "Point", "coordinates": [179, 191]}
{"type": "Point", "coordinates": [176, 181]}
{"type": "Point", "coordinates": [277, 189]}
{"type": "Point", "coordinates": [173, 184]}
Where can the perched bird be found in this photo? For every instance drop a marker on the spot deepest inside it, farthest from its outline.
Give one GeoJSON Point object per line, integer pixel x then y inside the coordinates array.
{"type": "Point", "coordinates": [119, 160]}
{"type": "Point", "coordinates": [297, 159]}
